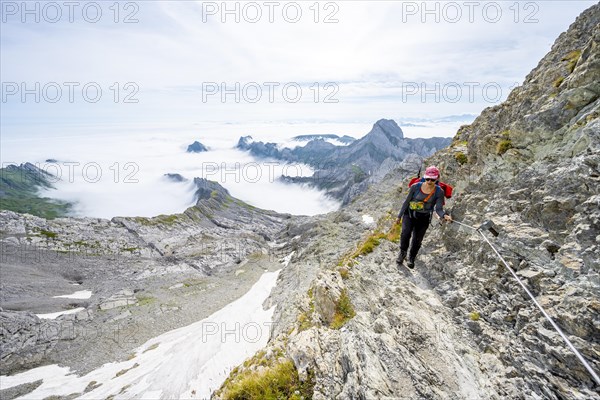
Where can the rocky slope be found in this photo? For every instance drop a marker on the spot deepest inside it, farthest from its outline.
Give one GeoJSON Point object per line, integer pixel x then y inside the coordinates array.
{"type": "Point", "coordinates": [459, 326]}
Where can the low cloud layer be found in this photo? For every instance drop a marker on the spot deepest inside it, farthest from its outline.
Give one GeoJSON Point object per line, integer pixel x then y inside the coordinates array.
{"type": "Point", "coordinates": [108, 174]}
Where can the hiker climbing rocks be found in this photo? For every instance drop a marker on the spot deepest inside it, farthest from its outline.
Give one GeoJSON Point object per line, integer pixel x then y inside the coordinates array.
{"type": "Point", "coordinates": [423, 198]}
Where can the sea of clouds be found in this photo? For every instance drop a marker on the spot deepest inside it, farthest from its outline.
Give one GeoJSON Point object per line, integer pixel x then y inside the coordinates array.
{"type": "Point", "coordinates": [113, 171]}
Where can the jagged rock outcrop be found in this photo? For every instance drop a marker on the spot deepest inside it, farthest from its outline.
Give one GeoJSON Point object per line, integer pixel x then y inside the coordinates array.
{"type": "Point", "coordinates": [534, 168]}
{"type": "Point", "coordinates": [459, 326]}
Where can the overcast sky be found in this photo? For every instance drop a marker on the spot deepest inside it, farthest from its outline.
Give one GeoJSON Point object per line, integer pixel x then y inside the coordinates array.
{"type": "Point", "coordinates": [353, 61]}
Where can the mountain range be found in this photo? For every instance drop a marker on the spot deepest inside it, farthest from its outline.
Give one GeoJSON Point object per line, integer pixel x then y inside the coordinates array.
{"type": "Point", "coordinates": [348, 322]}
{"type": "Point", "coordinates": [346, 171]}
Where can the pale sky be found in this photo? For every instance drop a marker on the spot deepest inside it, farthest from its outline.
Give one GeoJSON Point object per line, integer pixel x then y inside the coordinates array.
{"type": "Point", "coordinates": [373, 57]}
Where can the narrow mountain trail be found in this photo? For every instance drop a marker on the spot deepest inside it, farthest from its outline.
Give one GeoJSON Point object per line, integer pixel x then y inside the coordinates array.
{"type": "Point", "coordinates": [422, 328]}
{"type": "Point", "coordinates": [402, 341]}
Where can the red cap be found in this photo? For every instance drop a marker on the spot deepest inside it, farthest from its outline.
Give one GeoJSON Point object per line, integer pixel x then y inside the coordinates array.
{"type": "Point", "coordinates": [432, 173]}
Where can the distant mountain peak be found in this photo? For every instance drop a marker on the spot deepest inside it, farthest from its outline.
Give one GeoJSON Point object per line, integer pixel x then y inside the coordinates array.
{"type": "Point", "coordinates": [389, 127]}
{"type": "Point", "coordinates": [196, 147]}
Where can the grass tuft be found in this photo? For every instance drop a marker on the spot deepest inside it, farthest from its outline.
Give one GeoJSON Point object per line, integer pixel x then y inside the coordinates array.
{"type": "Point", "coordinates": [370, 244]}
{"type": "Point", "coordinates": [344, 311]}
{"type": "Point", "coordinates": [344, 273]}
{"type": "Point", "coordinates": [280, 381]}
{"type": "Point", "coordinates": [572, 58]}
{"type": "Point", "coordinates": [393, 234]}
{"type": "Point", "coordinates": [48, 234]}
{"type": "Point", "coordinates": [305, 318]}
{"type": "Point", "coordinates": [503, 146]}
{"type": "Point", "coordinates": [144, 300]}
{"type": "Point", "coordinates": [461, 158]}
{"type": "Point", "coordinates": [558, 81]}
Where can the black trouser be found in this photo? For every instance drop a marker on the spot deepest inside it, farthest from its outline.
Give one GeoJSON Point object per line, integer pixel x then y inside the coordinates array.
{"type": "Point", "coordinates": [415, 227]}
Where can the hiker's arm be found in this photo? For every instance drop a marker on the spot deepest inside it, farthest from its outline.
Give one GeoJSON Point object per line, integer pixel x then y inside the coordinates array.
{"type": "Point", "coordinates": [439, 204]}
{"type": "Point", "coordinates": [409, 196]}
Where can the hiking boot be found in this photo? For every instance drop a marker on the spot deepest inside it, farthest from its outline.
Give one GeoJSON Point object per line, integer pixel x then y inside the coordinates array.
{"type": "Point", "coordinates": [401, 257]}
{"type": "Point", "coordinates": [411, 263]}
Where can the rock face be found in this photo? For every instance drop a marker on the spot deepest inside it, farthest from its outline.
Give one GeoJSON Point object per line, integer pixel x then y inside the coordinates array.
{"type": "Point", "coordinates": [196, 147]}
{"type": "Point", "coordinates": [346, 171]}
{"type": "Point", "coordinates": [542, 189]}
{"type": "Point", "coordinates": [459, 326]}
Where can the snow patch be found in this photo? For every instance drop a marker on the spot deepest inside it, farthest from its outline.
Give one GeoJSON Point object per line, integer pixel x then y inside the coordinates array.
{"type": "Point", "coordinates": [81, 295]}
{"type": "Point", "coordinates": [59, 313]}
{"type": "Point", "coordinates": [367, 219]}
{"type": "Point", "coordinates": [286, 260]}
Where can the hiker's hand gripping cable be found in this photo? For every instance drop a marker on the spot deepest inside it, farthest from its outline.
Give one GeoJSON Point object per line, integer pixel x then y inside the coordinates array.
{"type": "Point", "coordinates": [446, 218]}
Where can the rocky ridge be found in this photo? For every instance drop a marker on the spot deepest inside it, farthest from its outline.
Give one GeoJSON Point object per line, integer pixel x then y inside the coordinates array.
{"type": "Point", "coordinates": [343, 139]}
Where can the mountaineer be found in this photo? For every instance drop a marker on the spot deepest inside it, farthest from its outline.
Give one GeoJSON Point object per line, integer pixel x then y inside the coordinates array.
{"type": "Point", "coordinates": [422, 199]}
